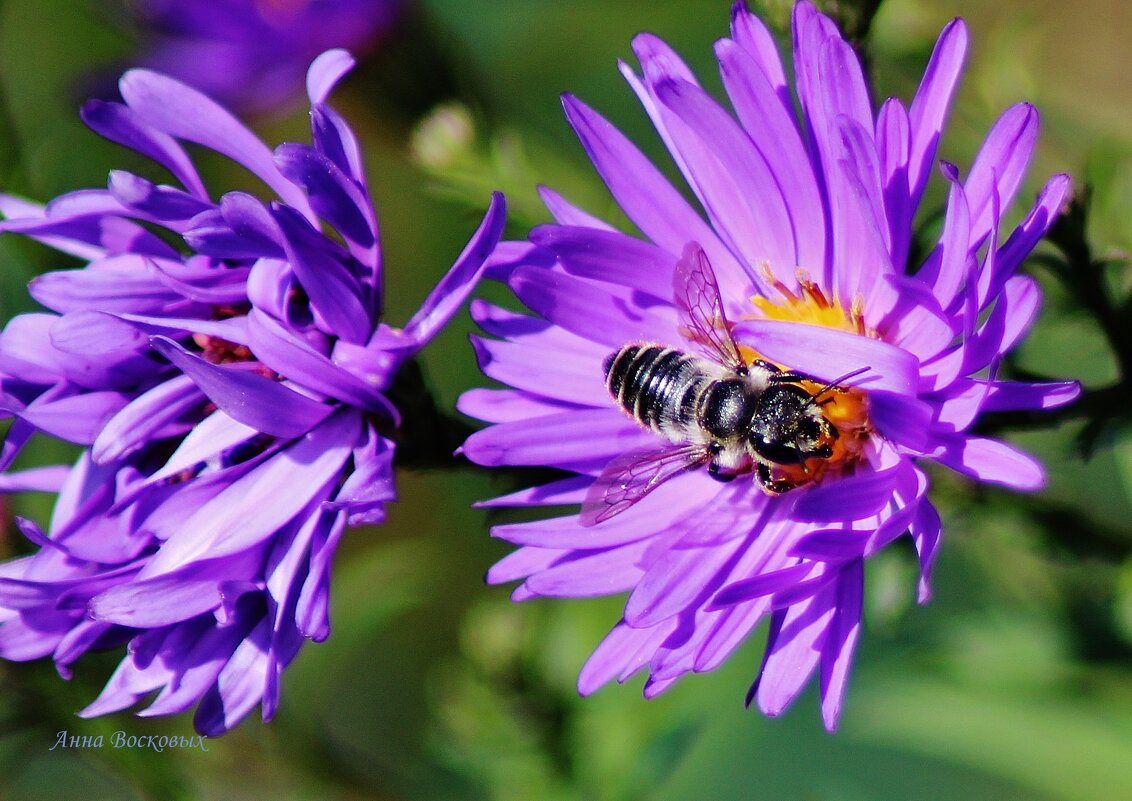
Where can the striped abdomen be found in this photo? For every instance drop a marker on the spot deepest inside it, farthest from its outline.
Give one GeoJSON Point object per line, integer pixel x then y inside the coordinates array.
{"type": "Point", "coordinates": [659, 387]}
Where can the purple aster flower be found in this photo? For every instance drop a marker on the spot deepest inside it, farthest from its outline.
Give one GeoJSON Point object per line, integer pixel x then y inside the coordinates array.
{"type": "Point", "coordinates": [231, 399]}
{"type": "Point", "coordinates": [255, 52]}
{"type": "Point", "coordinates": [780, 342]}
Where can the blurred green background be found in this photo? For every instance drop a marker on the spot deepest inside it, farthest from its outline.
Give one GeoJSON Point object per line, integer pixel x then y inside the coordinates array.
{"type": "Point", "coordinates": [1015, 682]}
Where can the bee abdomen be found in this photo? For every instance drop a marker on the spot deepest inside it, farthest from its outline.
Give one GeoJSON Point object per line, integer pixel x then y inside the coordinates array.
{"type": "Point", "coordinates": [657, 386]}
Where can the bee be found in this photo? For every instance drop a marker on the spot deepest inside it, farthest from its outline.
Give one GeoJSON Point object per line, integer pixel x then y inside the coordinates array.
{"type": "Point", "coordinates": [714, 409]}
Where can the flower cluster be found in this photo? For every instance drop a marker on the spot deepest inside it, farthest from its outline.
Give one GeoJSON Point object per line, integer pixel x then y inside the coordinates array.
{"type": "Point", "coordinates": [256, 52]}
{"type": "Point", "coordinates": [801, 268]}
{"type": "Point", "coordinates": [225, 366]}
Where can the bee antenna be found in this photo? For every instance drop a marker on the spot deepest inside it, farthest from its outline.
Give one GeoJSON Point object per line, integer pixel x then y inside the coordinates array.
{"type": "Point", "coordinates": [835, 383]}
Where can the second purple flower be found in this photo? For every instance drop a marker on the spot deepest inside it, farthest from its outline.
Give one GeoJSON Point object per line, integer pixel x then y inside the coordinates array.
{"type": "Point", "coordinates": [229, 389]}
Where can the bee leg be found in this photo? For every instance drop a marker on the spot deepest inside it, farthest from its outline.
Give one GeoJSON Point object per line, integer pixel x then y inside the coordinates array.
{"type": "Point", "coordinates": [719, 474]}
{"type": "Point", "coordinates": [769, 484]}
{"type": "Point", "coordinates": [713, 468]}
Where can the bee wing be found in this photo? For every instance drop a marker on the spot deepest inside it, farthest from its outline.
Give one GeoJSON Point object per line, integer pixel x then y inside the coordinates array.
{"type": "Point", "coordinates": [697, 296]}
{"type": "Point", "coordinates": [635, 474]}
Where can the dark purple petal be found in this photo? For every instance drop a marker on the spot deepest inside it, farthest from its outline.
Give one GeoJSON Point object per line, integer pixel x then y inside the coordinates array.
{"type": "Point", "coordinates": [146, 198]}
{"type": "Point", "coordinates": [334, 196]}
{"type": "Point", "coordinates": [182, 112]}
{"type": "Point", "coordinates": [248, 397]}
{"type": "Point", "coordinates": [120, 124]}
{"type": "Point", "coordinates": [285, 353]}
{"type": "Point", "coordinates": [337, 296]}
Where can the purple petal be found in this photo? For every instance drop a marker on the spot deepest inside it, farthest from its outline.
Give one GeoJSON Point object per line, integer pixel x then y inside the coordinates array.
{"type": "Point", "coordinates": [666, 506]}
{"type": "Point", "coordinates": [933, 98]}
{"type": "Point", "coordinates": [837, 651]}
{"type": "Point", "coordinates": [609, 256]}
{"type": "Point", "coordinates": [643, 192]}
{"type": "Point", "coordinates": [773, 129]}
{"type": "Point", "coordinates": [794, 652]}
{"type": "Point", "coordinates": [454, 288]}
{"type": "Point", "coordinates": [994, 461]}
{"type": "Point", "coordinates": [622, 653]}
{"type": "Point", "coordinates": [143, 417]}
{"type": "Point", "coordinates": [893, 142]}
{"type": "Point", "coordinates": [1030, 230]}
{"type": "Point", "coordinates": [926, 534]}
{"type": "Point", "coordinates": [1000, 165]}
{"type": "Point", "coordinates": [334, 196]}
{"type": "Point", "coordinates": [118, 284]}
{"type": "Point", "coordinates": [735, 184]}
{"type": "Point", "coordinates": [585, 574]}
{"type": "Point", "coordinates": [325, 72]}
{"type": "Point", "coordinates": [546, 371]}
{"type": "Point", "coordinates": [829, 354]}
{"type": "Point", "coordinates": [337, 297]}
{"type": "Point", "coordinates": [35, 479]}
{"type": "Point", "coordinates": [248, 397]}
{"type": "Point", "coordinates": [257, 505]}
{"type": "Point", "coordinates": [505, 405]}
{"type": "Point", "coordinates": [1011, 395]}
{"type": "Point", "coordinates": [171, 206]}
{"type": "Point", "coordinates": [287, 354]}
{"type": "Point", "coordinates": [183, 112]}
{"type": "Point", "coordinates": [1015, 310]}
{"type": "Point", "coordinates": [76, 419]}
{"type": "Point", "coordinates": [240, 228]}
{"type": "Point", "coordinates": [588, 309]}
{"type": "Point", "coordinates": [566, 213]}
{"type": "Point", "coordinates": [853, 498]}
{"type": "Point", "coordinates": [239, 686]}
{"type": "Point", "coordinates": [121, 124]}
{"type": "Point", "coordinates": [557, 439]}
{"type": "Point", "coordinates": [677, 580]}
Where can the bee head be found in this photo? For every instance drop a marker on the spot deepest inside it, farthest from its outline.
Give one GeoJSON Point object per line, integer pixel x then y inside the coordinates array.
{"type": "Point", "coordinates": [788, 427]}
